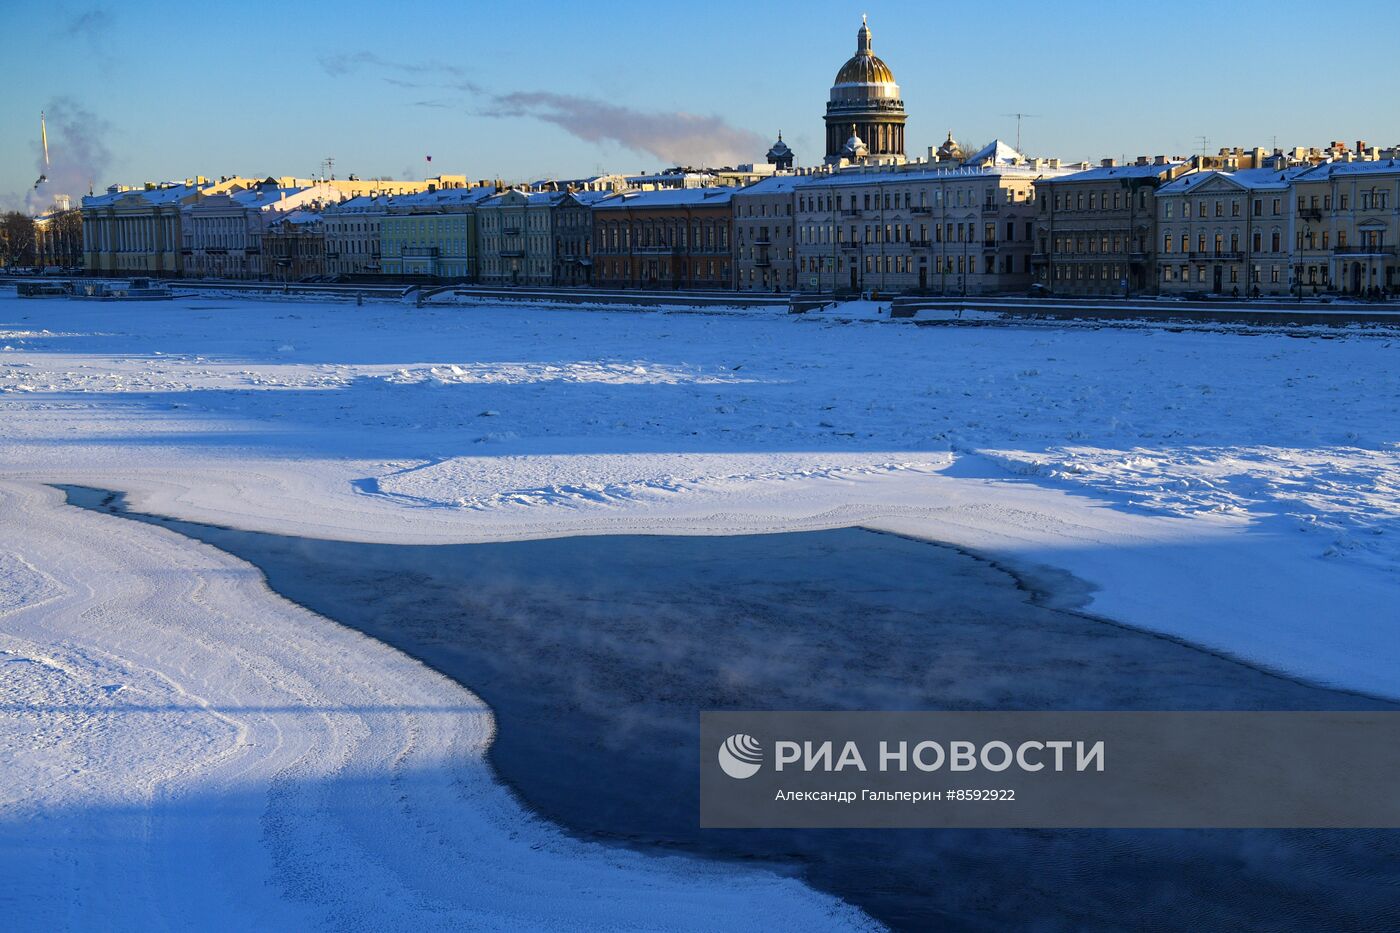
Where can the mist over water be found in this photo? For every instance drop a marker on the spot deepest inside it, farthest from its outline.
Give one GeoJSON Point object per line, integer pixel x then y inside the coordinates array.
{"type": "Point", "coordinates": [597, 654]}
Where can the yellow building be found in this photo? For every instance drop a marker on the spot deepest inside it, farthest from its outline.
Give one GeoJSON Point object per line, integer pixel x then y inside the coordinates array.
{"type": "Point", "coordinates": [1346, 226]}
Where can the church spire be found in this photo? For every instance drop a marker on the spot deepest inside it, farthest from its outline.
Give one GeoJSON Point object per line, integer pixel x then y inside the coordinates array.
{"type": "Point", "coordinates": [863, 37]}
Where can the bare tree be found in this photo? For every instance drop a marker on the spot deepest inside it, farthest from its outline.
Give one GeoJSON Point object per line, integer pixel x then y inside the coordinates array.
{"type": "Point", "coordinates": [16, 239]}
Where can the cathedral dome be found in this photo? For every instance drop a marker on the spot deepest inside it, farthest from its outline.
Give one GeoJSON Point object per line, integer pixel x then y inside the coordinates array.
{"type": "Point", "coordinates": [865, 104]}
{"type": "Point", "coordinates": [865, 67]}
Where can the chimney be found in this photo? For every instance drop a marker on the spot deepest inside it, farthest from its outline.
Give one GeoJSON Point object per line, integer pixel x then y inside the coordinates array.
{"type": "Point", "coordinates": [1108, 163]}
{"type": "Point", "coordinates": [1159, 160]}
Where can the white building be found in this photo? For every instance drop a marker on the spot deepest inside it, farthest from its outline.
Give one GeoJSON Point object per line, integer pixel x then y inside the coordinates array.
{"type": "Point", "coordinates": [964, 230]}
{"type": "Point", "coordinates": [222, 233]}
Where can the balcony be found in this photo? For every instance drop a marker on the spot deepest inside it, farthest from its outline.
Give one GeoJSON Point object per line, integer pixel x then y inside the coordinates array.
{"type": "Point", "coordinates": [990, 208]}
{"type": "Point", "coordinates": [762, 241]}
{"type": "Point", "coordinates": [921, 209]}
{"type": "Point", "coordinates": [853, 212]}
{"type": "Point", "coordinates": [1363, 249]}
{"type": "Point", "coordinates": [763, 262]}
{"type": "Point", "coordinates": [420, 252]}
{"type": "Point", "coordinates": [654, 250]}
{"type": "Point", "coordinates": [1220, 255]}
{"type": "Point", "coordinates": [512, 254]}
{"type": "Point", "coordinates": [511, 231]}
{"type": "Point", "coordinates": [920, 244]}
{"type": "Point", "coordinates": [1310, 213]}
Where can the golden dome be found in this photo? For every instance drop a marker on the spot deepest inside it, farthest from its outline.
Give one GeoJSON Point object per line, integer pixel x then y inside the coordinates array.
{"type": "Point", "coordinates": [865, 67]}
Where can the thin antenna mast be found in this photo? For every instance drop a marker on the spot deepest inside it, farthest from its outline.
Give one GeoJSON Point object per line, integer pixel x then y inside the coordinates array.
{"type": "Point", "coordinates": [1019, 117]}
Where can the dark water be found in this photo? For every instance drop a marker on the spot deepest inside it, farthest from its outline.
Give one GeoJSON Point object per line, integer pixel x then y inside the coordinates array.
{"type": "Point", "coordinates": [598, 653]}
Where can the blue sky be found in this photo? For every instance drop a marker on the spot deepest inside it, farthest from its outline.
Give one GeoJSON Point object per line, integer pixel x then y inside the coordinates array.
{"type": "Point", "coordinates": [148, 90]}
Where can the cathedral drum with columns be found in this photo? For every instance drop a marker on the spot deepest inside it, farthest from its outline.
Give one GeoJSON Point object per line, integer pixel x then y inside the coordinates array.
{"type": "Point", "coordinates": [865, 108]}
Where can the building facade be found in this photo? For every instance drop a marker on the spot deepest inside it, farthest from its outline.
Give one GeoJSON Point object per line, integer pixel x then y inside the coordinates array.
{"type": "Point", "coordinates": [672, 239]}
{"type": "Point", "coordinates": [352, 231]}
{"type": "Point", "coordinates": [131, 231]}
{"type": "Point", "coordinates": [954, 231]}
{"type": "Point", "coordinates": [864, 106]}
{"type": "Point", "coordinates": [137, 231]}
{"type": "Point", "coordinates": [1225, 233]}
{"type": "Point", "coordinates": [222, 234]}
{"type": "Point", "coordinates": [765, 253]}
{"type": "Point", "coordinates": [517, 237]}
{"type": "Point", "coordinates": [1096, 230]}
{"type": "Point", "coordinates": [433, 234]}
{"type": "Point", "coordinates": [1346, 227]}
{"type": "Point", "coordinates": [573, 237]}
{"type": "Point", "coordinates": [294, 246]}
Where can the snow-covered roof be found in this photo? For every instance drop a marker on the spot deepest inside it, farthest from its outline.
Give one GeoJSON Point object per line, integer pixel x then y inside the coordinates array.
{"type": "Point", "coordinates": [443, 199]}
{"type": "Point", "coordinates": [996, 152]}
{"type": "Point", "coordinates": [362, 204]}
{"type": "Point", "coordinates": [529, 199]}
{"type": "Point", "coordinates": [300, 217]}
{"type": "Point", "coordinates": [1114, 172]}
{"type": "Point", "coordinates": [590, 197]}
{"type": "Point", "coordinates": [669, 197]}
{"type": "Point", "coordinates": [1335, 169]}
{"type": "Point", "coordinates": [161, 194]}
{"type": "Point", "coordinates": [1250, 179]}
{"type": "Point", "coordinates": [263, 196]}
{"type": "Point", "coordinates": [850, 178]}
{"type": "Point", "coordinates": [778, 184]}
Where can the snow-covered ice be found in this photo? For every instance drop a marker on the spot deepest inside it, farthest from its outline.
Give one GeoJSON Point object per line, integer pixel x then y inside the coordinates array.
{"type": "Point", "coordinates": [1240, 492]}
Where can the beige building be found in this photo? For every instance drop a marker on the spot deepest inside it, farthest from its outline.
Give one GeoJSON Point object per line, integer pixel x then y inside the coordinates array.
{"type": "Point", "coordinates": [964, 230]}
{"type": "Point", "coordinates": [137, 231]}
{"type": "Point", "coordinates": [1225, 233]}
{"type": "Point", "coordinates": [1096, 230]}
{"type": "Point", "coordinates": [222, 233]}
{"type": "Point", "coordinates": [352, 231]}
{"type": "Point", "coordinates": [1346, 226]}
{"type": "Point", "coordinates": [765, 252]}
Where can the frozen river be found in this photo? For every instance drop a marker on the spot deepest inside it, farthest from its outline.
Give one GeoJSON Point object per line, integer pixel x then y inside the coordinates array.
{"type": "Point", "coordinates": [596, 655]}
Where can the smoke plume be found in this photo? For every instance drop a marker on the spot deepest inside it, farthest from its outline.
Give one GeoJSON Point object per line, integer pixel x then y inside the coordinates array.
{"type": "Point", "coordinates": [78, 156]}
{"type": "Point", "coordinates": [675, 137]}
